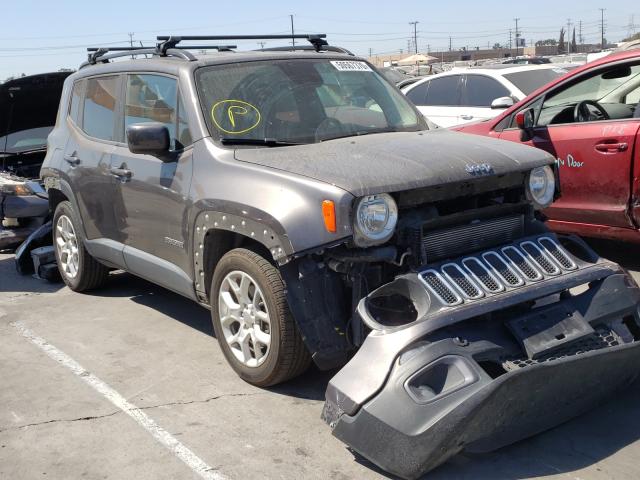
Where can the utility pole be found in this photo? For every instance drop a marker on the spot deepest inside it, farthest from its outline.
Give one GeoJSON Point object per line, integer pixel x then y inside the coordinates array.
{"type": "Point", "coordinates": [131, 41]}
{"type": "Point", "coordinates": [415, 35]}
{"type": "Point", "coordinates": [602, 27]}
{"type": "Point", "coordinates": [568, 50]}
{"type": "Point", "coordinates": [449, 43]}
{"type": "Point", "coordinates": [517, 36]}
{"type": "Point", "coordinates": [293, 40]}
{"type": "Point", "coordinates": [510, 45]}
{"type": "Point", "coordinates": [370, 52]}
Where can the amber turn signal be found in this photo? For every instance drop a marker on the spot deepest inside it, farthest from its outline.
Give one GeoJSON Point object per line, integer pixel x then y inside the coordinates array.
{"type": "Point", "coordinates": [329, 215]}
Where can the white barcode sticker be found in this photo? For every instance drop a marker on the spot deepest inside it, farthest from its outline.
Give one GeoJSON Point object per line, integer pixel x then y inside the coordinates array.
{"type": "Point", "coordinates": [349, 66]}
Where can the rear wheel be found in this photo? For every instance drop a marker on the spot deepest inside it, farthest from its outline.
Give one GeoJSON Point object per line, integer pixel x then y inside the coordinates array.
{"type": "Point", "coordinates": [79, 270]}
{"type": "Point", "coordinates": [252, 321]}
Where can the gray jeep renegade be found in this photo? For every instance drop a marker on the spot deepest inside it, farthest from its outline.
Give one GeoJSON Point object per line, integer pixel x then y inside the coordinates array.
{"type": "Point", "coordinates": [304, 201]}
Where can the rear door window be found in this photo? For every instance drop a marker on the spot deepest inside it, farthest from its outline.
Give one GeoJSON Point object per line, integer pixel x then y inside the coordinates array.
{"type": "Point", "coordinates": [444, 92]}
{"type": "Point", "coordinates": [99, 107]}
{"type": "Point", "coordinates": [480, 91]}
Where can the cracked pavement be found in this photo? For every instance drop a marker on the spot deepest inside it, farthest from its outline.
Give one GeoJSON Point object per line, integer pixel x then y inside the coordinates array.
{"type": "Point", "coordinates": [156, 349]}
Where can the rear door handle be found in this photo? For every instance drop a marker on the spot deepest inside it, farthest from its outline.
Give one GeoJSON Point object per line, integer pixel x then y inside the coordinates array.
{"type": "Point", "coordinates": [612, 147]}
{"type": "Point", "coordinates": [72, 160]}
{"type": "Point", "coordinates": [122, 173]}
{"type": "Point", "coordinates": [466, 117]}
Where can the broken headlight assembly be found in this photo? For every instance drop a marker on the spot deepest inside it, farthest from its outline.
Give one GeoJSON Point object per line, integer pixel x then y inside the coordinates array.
{"type": "Point", "coordinates": [541, 186]}
{"type": "Point", "coordinates": [375, 219]}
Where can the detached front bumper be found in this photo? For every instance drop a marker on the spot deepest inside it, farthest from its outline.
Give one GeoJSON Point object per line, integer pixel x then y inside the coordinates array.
{"type": "Point", "coordinates": [478, 372]}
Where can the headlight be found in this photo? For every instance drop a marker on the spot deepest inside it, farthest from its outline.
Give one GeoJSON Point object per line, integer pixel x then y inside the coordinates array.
{"type": "Point", "coordinates": [541, 186]}
{"type": "Point", "coordinates": [15, 189]}
{"type": "Point", "coordinates": [375, 219]}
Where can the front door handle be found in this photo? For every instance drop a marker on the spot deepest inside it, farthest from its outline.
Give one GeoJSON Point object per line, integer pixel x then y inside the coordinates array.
{"type": "Point", "coordinates": [612, 147]}
{"type": "Point", "coordinates": [122, 173]}
{"type": "Point", "coordinates": [72, 160]}
{"type": "Point", "coordinates": [466, 117]}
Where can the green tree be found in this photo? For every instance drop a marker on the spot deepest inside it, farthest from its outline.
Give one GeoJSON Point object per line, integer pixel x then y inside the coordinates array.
{"type": "Point", "coordinates": [548, 41]}
{"type": "Point", "coordinates": [561, 41]}
{"type": "Point", "coordinates": [574, 45]}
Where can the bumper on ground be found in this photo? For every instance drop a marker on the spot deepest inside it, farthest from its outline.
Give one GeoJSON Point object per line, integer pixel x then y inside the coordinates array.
{"type": "Point", "coordinates": [483, 374]}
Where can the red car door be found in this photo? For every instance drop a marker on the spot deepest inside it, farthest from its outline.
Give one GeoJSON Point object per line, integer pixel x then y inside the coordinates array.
{"type": "Point", "coordinates": [596, 163]}
{"type": "Point", "coordinates": [590, 126]}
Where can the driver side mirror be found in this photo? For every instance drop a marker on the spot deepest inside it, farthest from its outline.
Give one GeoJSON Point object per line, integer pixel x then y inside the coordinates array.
{"type": "Point", "coordinates": [502, 102]}
{"type": "Point", "coordinates": [525, 121]}
{"type": "Point", "coordinates": [148, 138]}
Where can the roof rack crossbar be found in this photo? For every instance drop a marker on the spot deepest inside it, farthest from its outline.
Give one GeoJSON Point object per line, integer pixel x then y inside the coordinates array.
{"type": "Point", "coordinates": [317, 39]}
{"type": "Point", "coordinates": [241, 37]}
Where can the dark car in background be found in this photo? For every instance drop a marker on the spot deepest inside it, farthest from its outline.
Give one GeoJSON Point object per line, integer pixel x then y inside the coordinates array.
{"type": "Point", "coordinates": [28, 108]}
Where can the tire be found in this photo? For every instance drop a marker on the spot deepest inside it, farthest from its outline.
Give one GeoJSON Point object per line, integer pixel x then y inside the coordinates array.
{"type": "Point", "coordinates": [286, 355]}
{"type": "Point", "coordinates": [79, 270]}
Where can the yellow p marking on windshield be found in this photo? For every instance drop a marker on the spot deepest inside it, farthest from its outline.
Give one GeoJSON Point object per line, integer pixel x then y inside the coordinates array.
{"type": "Point", "coordinates": [237, 108]}
{"type": "Point", "coordinates": [235, 116]}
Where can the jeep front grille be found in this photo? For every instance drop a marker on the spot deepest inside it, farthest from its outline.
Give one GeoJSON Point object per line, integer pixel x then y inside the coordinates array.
{"type": "Point", "coordinates": [495, 271]}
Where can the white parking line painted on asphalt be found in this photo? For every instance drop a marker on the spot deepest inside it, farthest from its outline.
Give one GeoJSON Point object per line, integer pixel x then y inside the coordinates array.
{"type": "Point", "coordinates": [160, 434]}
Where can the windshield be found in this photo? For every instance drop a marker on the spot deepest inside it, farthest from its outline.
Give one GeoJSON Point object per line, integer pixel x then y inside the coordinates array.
{"type": "Point", "coordinates": [528, 81]}
{"type": "Point", "coordinates": [598, 86]}
{"type": "Point", "coordinates": [25, 140]}
{"type": "Point", "coordinates": [300, 101]}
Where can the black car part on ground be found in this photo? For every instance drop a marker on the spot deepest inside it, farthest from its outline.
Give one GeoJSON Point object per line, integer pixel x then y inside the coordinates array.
{"type": "Point", "coordinates": [39, 238]}
{"type": "Point", "coordinates": [467, 359]}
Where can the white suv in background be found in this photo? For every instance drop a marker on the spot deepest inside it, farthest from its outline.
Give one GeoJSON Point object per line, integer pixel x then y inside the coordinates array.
{"type": "Point", "coordinates": [464, 95]}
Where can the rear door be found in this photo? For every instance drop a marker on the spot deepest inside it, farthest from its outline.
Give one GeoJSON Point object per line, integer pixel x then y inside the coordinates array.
{"type": "Point", "coordinates": [439, 99]}
{"type": "Point", "coordinates": [478, 92]}
{"type": "Point", "coordinates": [87, 156]}
{"type": "Point", "coordinates": [152, 197]}
{"type": "Point", "coordinates": [595, 157]}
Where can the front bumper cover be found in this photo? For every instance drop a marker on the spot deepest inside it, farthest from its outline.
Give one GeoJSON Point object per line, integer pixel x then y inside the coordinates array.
{"type": "Point", "coordinates": [484, 374]}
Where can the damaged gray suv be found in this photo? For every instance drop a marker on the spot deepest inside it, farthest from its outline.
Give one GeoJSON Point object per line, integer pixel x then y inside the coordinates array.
{"type": "Point", "coordinates": [304, 201]}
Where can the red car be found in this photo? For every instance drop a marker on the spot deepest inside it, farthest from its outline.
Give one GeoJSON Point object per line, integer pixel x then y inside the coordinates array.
{"type": "Point", "coordinates": [589, 120]}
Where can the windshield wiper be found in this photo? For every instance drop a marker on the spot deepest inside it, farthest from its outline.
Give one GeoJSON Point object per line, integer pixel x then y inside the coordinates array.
{"type": "Point", "coordinates": [268, 142]}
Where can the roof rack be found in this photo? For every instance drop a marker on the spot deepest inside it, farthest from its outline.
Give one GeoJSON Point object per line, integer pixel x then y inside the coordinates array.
{"type": "Point", "coordinates": [317, 39]}
{"type": "Point", "coordinates": [168, 46]}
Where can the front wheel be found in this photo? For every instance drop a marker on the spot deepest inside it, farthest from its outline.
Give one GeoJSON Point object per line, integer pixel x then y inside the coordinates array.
{"type": "Point", "coordinates": [252, 321]}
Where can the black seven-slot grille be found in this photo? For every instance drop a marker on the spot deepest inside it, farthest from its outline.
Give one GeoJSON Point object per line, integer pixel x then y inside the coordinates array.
{"type": "Point", "coordinates": [495, 271]}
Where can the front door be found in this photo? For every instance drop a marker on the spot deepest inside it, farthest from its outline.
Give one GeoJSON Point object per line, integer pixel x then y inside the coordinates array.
{"type": "Point", "coordinates": [589, 127]}
{"type": "Point", "coordinates": [153, 191]}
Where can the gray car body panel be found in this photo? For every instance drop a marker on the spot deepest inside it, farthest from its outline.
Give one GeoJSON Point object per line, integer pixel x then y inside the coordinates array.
{"type": "Point", "coordinates": [391, 162]}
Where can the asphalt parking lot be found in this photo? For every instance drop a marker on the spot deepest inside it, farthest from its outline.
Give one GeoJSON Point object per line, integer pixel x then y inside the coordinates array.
{"type": "Point", "coordinates": [128, 382]}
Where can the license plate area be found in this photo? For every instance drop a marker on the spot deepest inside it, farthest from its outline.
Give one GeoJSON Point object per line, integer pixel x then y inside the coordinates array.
{"type": "Point", "coordinates": [548, 329]}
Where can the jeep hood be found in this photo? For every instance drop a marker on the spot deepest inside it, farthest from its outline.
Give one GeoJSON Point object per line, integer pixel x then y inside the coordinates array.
{"type": "Point", "coordinates": [390, 162]}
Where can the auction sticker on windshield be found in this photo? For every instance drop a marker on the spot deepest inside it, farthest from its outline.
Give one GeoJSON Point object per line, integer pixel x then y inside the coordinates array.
{"type": "Point", "coordinates": [348, 66]}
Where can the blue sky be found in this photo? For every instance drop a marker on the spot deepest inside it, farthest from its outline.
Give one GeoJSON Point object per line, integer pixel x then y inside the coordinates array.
{"type": "Point", "coordinates": [38, 36]}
